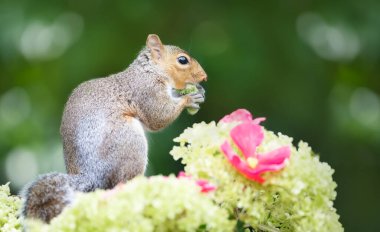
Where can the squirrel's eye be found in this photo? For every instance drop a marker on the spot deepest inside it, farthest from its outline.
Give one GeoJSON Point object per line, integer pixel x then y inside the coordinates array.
{"type": "Point", "coordinates": [183, 60]}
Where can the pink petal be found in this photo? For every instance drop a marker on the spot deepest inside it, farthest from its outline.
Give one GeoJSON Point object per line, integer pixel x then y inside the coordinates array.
{"type": "Point", "coordinates": [182, 174]}
{"type": "Point", "coordinates": [258, 120]}
{"type": "Point", "coordinates": [272, 161]}
{"type": "Point", "coordinates": [232, 157]}
{"type": "Point", "coordinates": [277, 156]}
{"type": "Point", "coordinates": [261, 168]}
{"type": "Point", "coordinates": [256, 178]}
{"type": "Point", "coordinates": [239, 165]}
{"type": "Point", "coordinates": [240, 115]}
{"type": "Point", "coordinates": [206, 186]}
{"type": "Point", "coordinates": [247, 136]}
{"type": "Point", "coordinates": [110, 193]}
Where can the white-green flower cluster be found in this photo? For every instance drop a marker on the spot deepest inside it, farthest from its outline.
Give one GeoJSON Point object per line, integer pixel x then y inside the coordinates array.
{"type": "Point", "coordinates": [297, 198]}
{"type": "Point", "coordinates": [143, 204]}
{"type": "Point", "coordinates": [9, 208]}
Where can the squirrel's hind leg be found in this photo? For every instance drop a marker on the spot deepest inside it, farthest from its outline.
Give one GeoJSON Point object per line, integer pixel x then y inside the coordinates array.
{"type": "Point", "coordinates": [125, 150]}
{"type": "Point", "coordinates": [115, 150]}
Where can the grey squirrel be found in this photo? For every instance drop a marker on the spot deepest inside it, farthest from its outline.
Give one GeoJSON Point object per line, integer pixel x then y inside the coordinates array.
{"type": "Point", "coordinates": [104, 122]}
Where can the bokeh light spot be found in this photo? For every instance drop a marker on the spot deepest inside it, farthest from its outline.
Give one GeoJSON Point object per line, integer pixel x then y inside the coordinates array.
{"type": "Point", "coordinates": [21, 167]}
{"type": "Point", "coordinates": [42, 41]}
{"type": "Point", "coordinates": [331, 42]}
{"type": "Point", "coordinates": [365, 107]}
{"type": "Point", "coordinates": [14, 107]}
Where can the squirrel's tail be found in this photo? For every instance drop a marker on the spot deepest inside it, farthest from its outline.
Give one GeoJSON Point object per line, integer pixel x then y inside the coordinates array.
{"type": "Point", "coordinates": [46, 197]}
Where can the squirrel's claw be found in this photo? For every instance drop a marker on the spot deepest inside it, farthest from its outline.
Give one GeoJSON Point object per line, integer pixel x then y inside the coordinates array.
{"type": "Point", "coordinates": [194, 100]}
{"type": "Point", "coordinates": [200, 89]}
{"type": "Point", "coordinates": [197, 97]}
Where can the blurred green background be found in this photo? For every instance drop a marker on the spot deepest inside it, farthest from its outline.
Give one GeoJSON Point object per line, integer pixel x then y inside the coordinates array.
{"type": "Point", "coordinates": [311, 67]}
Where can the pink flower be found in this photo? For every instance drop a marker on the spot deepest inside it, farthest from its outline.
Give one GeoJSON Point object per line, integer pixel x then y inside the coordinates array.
{"type": "Point", "coordinates": [110, 193]}
{"type": "Point", "coordinates": [204, 184]}
{"type": "Point", "coordinates": [241, 115]}
{"type": "Point", "coordinates": [248, 136]}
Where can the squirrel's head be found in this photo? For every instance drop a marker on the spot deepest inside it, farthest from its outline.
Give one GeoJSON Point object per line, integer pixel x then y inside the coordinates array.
{"type": "Point", "coordinates": [177, 63]}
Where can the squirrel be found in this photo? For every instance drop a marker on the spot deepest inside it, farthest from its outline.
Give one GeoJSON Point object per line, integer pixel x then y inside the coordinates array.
{"type": "Point", "coordinates": [104, 123]}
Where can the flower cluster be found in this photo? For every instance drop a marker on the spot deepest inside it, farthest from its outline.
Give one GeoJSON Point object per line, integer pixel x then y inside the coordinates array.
{"type": "Point", "coordinates": [237, 173]}
{"type": "Point", "coordinates": [143, 204]}
{"type": "Point", "coordinates": [203, 184]}
{"type": "Point", "coordinates": [9, 207]}
{"type": "Point", "coordinates": [297, 196]}
{"type": "Point", "coordinates": [247, 136]}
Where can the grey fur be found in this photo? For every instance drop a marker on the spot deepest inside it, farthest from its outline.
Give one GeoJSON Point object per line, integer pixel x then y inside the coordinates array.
{"type": "Point", "coordinates": [103, 132]}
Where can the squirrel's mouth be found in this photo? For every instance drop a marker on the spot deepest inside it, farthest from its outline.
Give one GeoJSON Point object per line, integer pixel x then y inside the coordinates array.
{"type": "Point", "coordinates": [199, 77]}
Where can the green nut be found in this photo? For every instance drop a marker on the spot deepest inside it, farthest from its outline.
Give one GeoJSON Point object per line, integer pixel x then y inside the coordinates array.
{"type": "Point", "coordinates": [192, 111]}
{"type": "Point", "coordinates": [190, 88]}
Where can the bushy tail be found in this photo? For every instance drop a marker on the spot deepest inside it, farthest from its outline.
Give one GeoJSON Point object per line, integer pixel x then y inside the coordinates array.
{"type": "Point", "coordinates": [47, 196]}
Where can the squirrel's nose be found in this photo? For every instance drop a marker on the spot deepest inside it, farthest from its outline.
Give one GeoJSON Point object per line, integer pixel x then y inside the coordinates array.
{"type": "Point", "coordinates": [204, 77]}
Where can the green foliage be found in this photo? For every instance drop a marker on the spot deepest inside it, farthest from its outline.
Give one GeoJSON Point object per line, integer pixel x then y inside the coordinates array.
{"type": "Point", "coordinates": [298, 198]}
{"type": "Point", "coordinates": [143, 204]}
{"type": "Point", "coordinates": [9, 208]}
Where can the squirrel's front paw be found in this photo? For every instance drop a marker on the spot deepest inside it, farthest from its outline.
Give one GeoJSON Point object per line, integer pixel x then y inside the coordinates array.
{"type": "Point", "coordinates": [194, 99]}
{"type": "Point", "coordinates": [201, 90]}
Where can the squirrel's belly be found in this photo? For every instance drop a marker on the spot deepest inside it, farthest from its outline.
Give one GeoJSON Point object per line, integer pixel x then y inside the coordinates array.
{"type": "Point", "coordinates": [140, 132]}
{"type": "Point", "coordinates": [137, 125]}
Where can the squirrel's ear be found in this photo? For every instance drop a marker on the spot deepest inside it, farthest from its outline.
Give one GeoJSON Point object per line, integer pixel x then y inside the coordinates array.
{"type": "Point", "coordinates": [154, 43]}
